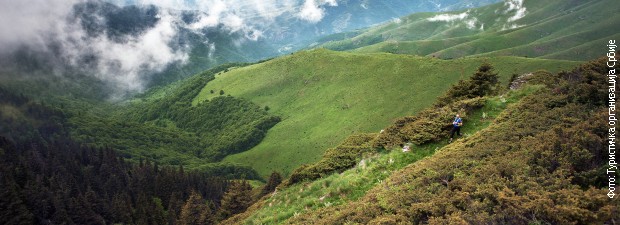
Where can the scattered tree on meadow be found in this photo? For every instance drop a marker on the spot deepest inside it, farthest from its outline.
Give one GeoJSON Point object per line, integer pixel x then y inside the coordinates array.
{"type": "Point", "coordinates": [482, 83]}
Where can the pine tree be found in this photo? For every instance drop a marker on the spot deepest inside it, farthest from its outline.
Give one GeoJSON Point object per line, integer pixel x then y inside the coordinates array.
{"type": "Point", "coordinates": [121, 209]}
{"type": "Point", "coordinates": [274, 180]}
{"type": "Point", "coordinates": [482, 83]}
{"type": "Point", "coordinates": [236, 199]}
{"type": "Point", "coordinates": [174, 207]}
{"type": "Point", "coordinates": [194, 211]}
{"type": "Point", "coordinates": [13, 210]}
{"type": "Point", "coordinates": [157, 212]}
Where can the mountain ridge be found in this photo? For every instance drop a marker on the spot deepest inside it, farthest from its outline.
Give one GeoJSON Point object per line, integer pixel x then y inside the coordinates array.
{"type": "Point", "coordinates": [554, 23]}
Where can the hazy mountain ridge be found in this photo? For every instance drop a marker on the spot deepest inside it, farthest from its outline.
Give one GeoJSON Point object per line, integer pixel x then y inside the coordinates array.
{"type": "Point", "coordinates": [550, 29]}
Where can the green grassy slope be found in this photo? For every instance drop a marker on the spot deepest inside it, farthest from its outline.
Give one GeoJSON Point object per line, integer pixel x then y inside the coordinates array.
{"type": "Point", "coordinates": [350, 185]}
{"type": "Point", "coordinates": [541, 161]}
{"type": "Point", "coordinates": [547, 28]}
{"type": "Point", "coordinates": [323, 96]}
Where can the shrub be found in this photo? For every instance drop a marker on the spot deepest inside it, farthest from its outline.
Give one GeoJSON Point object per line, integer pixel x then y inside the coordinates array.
{"type": "Point", "coordinates": [429, 125]}
{"type": "Point", "coordinates": [338, 159]}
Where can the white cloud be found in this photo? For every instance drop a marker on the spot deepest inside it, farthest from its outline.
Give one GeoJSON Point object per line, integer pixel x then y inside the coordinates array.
{"type": "Point", "coordinates": [471, 24]}
{"type": "Point", "coordinates": [171, 4]}
{"type": "Point", "coordinates": [312, 10]}
{"type": "Point", "coordinates": [465, 17]}
{"type": "Point", "coordinates": [24, 21]}
{"type": "Point", "coordinates": [449, 17]}
{"type": "Point", "coordinates": [517, 7]}
{"type": "Point", "coordinates": [249, 16]}
{"type": "Point", "coordinates": [121, 63]}
{"type": "Point", "coordinates": [126, 63]}
{"type": "Point", "coordinates": [212, 15]}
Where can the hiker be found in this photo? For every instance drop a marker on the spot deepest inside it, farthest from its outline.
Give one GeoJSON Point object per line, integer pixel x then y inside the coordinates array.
{"type": "Point", "coordinates": [456, 126]}
{"type": "Point", "coordinates": [407, 148]}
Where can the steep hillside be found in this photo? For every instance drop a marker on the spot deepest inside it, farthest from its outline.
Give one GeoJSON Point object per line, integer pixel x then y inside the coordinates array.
{"type": "Point", "coordinates": [529, 156]}
{"type": "Point", "coordinates": [323, 96]}
{"type": "Point", "coordinates": [542, 161]}
{"type": "Point", "coordinates": [543, 29]}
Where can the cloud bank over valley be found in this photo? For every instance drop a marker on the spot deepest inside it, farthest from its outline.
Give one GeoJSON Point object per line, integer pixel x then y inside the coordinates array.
{"type": "Point", "coordinates": [122, 46]}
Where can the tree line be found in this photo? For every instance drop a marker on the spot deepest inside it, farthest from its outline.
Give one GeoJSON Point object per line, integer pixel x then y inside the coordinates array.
{"type": "Point", "coordinates": [46, 177]}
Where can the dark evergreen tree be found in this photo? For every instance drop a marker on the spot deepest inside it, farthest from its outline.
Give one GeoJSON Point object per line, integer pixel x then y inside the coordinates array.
{"type": "Point", "coordinates": [483, 82]}
{"type": "Point", "coordinates": [121, 209]}
{"type": "Point", "coordinates": [13, 210]}
{"type": "Point", "coordinates": [195, 211]}
{"type": "Point", "coordinates": [274, 180]}
{"type": "Point", "coordinates": [174, 207]}
{"type": "Point", "coordinates": [237, 199]}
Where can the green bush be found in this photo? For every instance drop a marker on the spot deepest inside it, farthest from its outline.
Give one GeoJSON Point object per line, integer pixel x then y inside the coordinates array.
{"type": "Point", "coordinates": [336, 160]}
{"type": "Point", "coordinates": [429, 125]}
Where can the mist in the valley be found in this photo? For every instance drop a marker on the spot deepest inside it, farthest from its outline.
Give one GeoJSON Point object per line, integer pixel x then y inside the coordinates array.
{"type": "Point", "coordinates": [87, 37]}
{"type": "Point", "coordinates": [129, 45]}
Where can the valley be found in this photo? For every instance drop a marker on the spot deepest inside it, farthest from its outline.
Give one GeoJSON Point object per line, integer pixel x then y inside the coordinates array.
{"type": "Point", "coordinates": [314, 91]}
{"type": "Point", "coordinates": [306, 112]}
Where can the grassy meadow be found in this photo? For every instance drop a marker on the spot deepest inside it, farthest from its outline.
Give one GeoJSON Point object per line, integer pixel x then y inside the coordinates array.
{"type": "Point", "coordinates": [324, 96]}
{"type": "Point", "coordinates": [350, 185]}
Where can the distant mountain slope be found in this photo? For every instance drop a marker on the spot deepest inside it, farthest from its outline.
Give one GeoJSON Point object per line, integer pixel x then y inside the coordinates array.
{"type": "Point", "coordinates": [544, 29]}
{"type": "Point", "coordinates": [347, 15]}
{"type": "Point", "coordinates": [323, 96]}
